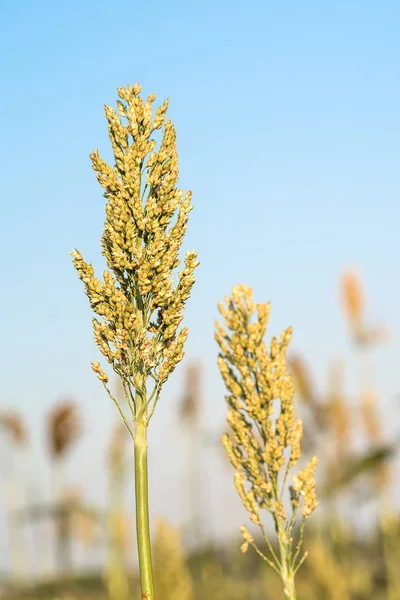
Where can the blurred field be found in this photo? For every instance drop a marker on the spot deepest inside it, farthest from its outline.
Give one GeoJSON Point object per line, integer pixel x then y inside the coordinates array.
{"type": "Point", "coordinates": [346, 560]}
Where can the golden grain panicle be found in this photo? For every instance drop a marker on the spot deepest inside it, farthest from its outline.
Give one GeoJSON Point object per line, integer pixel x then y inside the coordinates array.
{"type": "Point", "coordinates": [139, 302]}
{"type": "Point", "coordinates": [265, 436]}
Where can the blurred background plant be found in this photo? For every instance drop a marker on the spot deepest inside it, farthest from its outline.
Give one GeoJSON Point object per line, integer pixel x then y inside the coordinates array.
{"type": "Point", "coordinates": [15, 438]}
{"type": "Point", "coordinates": [349, 557]}
{"type": "Point", "coordinates": [197, 530]}
{"type": "Point", "coordinates": [118, 525]}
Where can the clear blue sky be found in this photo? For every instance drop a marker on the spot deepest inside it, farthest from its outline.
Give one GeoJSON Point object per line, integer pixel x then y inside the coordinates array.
{"type": "Point", "coordinates": [288, 124]}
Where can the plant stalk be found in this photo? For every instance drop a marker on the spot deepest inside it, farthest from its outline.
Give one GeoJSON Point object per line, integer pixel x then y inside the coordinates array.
{"type": "Point", "coordinates": [287, 574]}
{"type": "Point", "coordinates": [142, 513]}
{"type": "Point", "coordinates": [289, 587]}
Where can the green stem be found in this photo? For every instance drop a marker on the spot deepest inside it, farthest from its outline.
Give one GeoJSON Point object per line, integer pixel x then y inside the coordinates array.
{"type": "Point", "coordinates": [289, 587]}
{"type": "Point", "coordinates": [287, 574]}
{"type": "Point", "coordinates": [142, 513]}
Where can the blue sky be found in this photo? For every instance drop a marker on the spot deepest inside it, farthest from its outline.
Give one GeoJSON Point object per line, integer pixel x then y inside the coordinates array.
{"type": "Point", "coordinates": [288, 125]}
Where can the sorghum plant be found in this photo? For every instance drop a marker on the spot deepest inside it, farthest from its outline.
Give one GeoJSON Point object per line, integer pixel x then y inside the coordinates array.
{"type": "Point", "coordinates": [263, 448]}
{"type": "Point", "coordinates": [64, 428]}
{"type": "Point", "coordinates": [13, 425]}
{"type": "Point", "coordinates": [171, 571]}
{"type": "Point", "coordinates": [138, 303]}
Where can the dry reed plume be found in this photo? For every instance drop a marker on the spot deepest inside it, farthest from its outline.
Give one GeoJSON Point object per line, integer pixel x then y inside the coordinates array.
{"type": "Point", "coordinates": [353, 302]}
{"type": "Point", "coordinates": [190, 403]}
{"type": "Point", "coordinates": [190, 415]}
{"type": "Point", "coordinates": [13, 423]}
{"type": "Point", "coordinates": [304, 384]}
{"type": "Point", "coordinates": [63, 428]}
{"type": "Point", "coordinates": [14, 427]}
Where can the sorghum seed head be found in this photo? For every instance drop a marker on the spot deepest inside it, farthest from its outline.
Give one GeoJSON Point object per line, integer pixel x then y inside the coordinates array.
{"type": "Point", "coordinates": [139, 305]}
